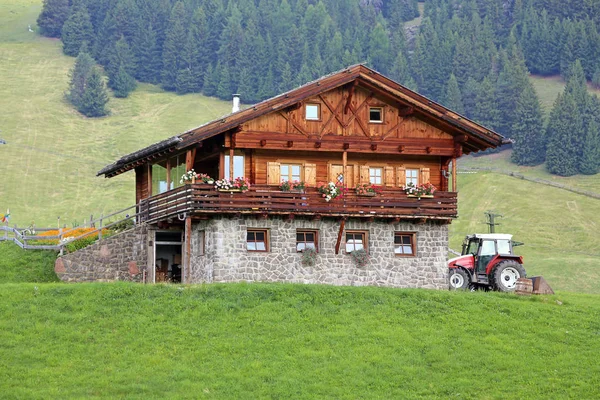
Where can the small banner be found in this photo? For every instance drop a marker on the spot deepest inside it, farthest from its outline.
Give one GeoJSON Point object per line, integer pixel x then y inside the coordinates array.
{"type": "Point", "coordinates": [5, 217]}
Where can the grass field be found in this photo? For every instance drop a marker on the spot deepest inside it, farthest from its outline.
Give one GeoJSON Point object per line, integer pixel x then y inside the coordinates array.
{"type": "Point", "coordinates": [48, 167]}
{"type": "Point", "coordinates": [242, 341]}
{"type": "Point", "coordinates": [549, 87]}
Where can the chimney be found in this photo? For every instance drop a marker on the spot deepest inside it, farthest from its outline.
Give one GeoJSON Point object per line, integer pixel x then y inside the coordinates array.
{"type": "Point", "coordinates": [236, 103]}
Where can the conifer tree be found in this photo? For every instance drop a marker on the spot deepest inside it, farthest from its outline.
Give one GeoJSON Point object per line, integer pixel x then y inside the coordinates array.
{"type": "Point", "coordinates": [529, 146]}
{"type": "Point", "coordinates": [453, 97]}
{"type": "Point", "coordinates": [79, 76]}
{"type": "Point", "coordinates": [173, 48]}
{"type": "Point", "coordinates": [486, 108]}
{"type": "Point", "coordinates": [211, 81]}
{"type": "Point", "coordinates": [589, 163]}
{"type": "Point", "coordinates": [246, 87]}
{"type": "Point", "coordinates": [224, 90]}
{"type": "Point", "coordinates": [77, 29]}
{"type": "Point", "coordinates": [122, 83]}
{"type": "Point", "coordinates": [95, 96]}
{"type": "Point", "coordinates": [379, 49]}
{"type": "Point", "coordinates": [469, 96]}
{"type": "Point", "coordinates": [53, 16]}
{"type": "Point", "coordinates": [564, 127]}
{"type": "Point", "coordinates": [149, 63]}
{"type": "Point", "coordinates": [287, 81]}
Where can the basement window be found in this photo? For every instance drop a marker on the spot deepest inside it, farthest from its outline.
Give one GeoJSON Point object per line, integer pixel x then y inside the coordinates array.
{"type": "Point", "coordinates": [376, 115]}
{"type": "Point", "coordinates": [313, 112]}
{"type": "Point", "coordinates": [356, 240]}
{"type": "Point", "coordinates": [257, 240]}
{"type": "Point", "coordinates": [405, 243]}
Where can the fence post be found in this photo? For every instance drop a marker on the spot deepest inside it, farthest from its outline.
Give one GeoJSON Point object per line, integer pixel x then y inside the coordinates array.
{"type": "Point", "coordinates": [92, 224]}
{"type": "Point", "coordinates": [60, 241]}
{"type": "Point", "coordinates": [100, 228]}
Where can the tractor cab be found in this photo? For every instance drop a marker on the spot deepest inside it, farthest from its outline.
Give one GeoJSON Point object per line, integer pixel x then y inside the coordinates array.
{"type": "Point", "coordinates": [486, 260]}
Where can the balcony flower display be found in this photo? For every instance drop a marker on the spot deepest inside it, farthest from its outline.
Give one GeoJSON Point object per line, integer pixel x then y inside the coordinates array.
{"type": "Point", "coordinates": [329, 191]}
{"type": "Point", "coordinates": [205, 179]}
{"type": "Point", "coordinates": [239, 184]}
{"type": "Point", "coordinates": [287, 186]}
{"type": "Point", "coordinates": [367, 189]}
{"type": "Point", "coordinates": [422, 190]}
{"type": "Point", "coordinates": [189, 177]}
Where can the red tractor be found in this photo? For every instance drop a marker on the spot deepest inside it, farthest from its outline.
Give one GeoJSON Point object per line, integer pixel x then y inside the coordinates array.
{"type": "Point", "coordinates": [487, 261]}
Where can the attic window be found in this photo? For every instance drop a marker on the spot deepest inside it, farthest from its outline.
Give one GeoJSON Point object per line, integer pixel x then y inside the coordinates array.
{"type": "Point", "coordinates": [313, 112]}
{"type": "Point", "coordinates": [376, 114]}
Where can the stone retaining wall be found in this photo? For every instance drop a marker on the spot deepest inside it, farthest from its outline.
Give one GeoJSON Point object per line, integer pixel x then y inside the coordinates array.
{"type": "Point", "coordinates": [226, 259]}
{"type": "Point", "coordinates": [122, 257]}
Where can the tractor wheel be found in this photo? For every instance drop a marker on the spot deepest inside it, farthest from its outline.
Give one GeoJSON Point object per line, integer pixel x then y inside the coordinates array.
{"type": "Point", "coordinates": [459, 279]}
{"type": "Point", "coordinates": [505, 275]}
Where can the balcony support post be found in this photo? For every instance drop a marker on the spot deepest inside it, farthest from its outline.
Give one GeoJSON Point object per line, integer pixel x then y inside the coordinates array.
{"type": "Point", "coordinates": [340, 234]}
{"type": "Point", "coordinates": [188, 249]}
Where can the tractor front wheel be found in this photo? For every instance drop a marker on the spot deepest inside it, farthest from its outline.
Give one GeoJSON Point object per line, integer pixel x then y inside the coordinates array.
{"type": "Point", "coordinates": [459, 279]}
{"type": "Point", "coordinates": [505, 275]}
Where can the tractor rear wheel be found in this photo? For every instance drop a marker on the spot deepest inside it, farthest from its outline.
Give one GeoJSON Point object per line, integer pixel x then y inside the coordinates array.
{"type": "Point", "coordinates": [459, 279]}
{"type": "Point", "coordinates": [505, 275]}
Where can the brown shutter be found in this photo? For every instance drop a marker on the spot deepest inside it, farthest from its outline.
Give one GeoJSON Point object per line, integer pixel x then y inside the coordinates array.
{"type": "Point", "coordinates": [364, 174]}
{"type": "Point", "coordinates": [310, 174]}
{"type": "Point", "coordinates": [349, 176]}
{"type": "Point", "coordinates": [273, 173]}
{"type": "Point", "coordinates": [389, 176]}
{"type": "Point", "coordinates": [401, 176]}
{"type": "Point", "coordinates": [334, 171]}
{"type": "Point", "coordinates": [425, 175]}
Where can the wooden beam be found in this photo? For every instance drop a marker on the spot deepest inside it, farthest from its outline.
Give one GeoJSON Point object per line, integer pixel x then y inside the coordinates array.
{"type": "Point", "coordinates": [401, 148]}
{"type": "Point", "coordinates": [317, 145]}
{"type": "Point", "coordinates": [394, 221]}
{"type": "Point", "coordinates": [454, 189]}
{"type": "Point", "coordinates": [428, 149]}
{"type": "Point", "coordinates": [188, 249]}
{"type": "Point", "coordinates": [374, 146]}
{"type": "Point", "coordinates": [344, 165]}
{"type": "Point", "coordinates": [346, 146]}
{"type": "Point", "coordinates": [263, 142]}
{"type": "Point", "coordinates": [406, 111]}
{"type": "Point", "coordinates": [349, 99]}
{"type": "Point", "coordinates": [290, 143]}
{"type": "Point", "coordinates": [340, 234]}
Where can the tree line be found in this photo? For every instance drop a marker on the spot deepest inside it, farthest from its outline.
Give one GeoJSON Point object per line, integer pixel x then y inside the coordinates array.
{"type": "Point", "coordinates": [471, 55]}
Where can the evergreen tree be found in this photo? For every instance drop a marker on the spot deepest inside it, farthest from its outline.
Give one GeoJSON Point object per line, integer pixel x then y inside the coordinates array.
{"type": "Point", "coordinates": [564, 126]}
{"type": "Point", "coordinates": [79, 76]}
{"type": "Point", "coordinates": [453, 98]}
{"type": "Point", "coordinates": [379, 49]}
{"type": "Point", "coordinates": [185, 82]}
{"type": "Point", "coordinates": [589, 163]}
{"type": "Point", "coordinates": [77, 29]}
{"type": "Point", "coordinates": [224, 90]}
{"type": "Point", "coordinates": [469, 96]}
{"type": "Point", "coordinates": [486, 108]}
{"type": "Point", "coordinates": [211, 81]}
{"type": "Point", "coordinates": [95, 96]}
{"type": "Point", "coordinates": [528, 130]}
{"type": "Point", "coordinates": [122, 83]}
{"type": "Point", "coordinates": [173, 48]}
{"type": "Point", "coordinates": [53, 16]}
{"type": "Point", "coordinates": [148, 67]}
{"type": "Point", "coordinates": [246, 87]}
{"type": "Point", "coordinates": [287, 81]}
{"type": "Point", "coordinates": [198, 44]}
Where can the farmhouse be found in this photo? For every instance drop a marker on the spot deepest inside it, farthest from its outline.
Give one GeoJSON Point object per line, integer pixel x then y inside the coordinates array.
{"type": "Point", "coordinates": [326, 167]}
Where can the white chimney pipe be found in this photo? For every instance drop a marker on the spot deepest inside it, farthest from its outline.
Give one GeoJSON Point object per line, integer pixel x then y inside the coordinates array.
{"type": "Point", "coordinates": [236, 103]}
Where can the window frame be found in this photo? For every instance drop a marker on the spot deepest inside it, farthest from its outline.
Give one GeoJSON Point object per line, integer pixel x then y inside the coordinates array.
{"type": "Point", "coordinates": [365, 240]}
{"type": "Point", "coordinates": [381, 175]}
{"type": "Point", "coordinates": [417, 178]}
{"type": "Point", "coordinates": [376, 121]}
{"type": "Point", "coordinates": [290, 175]}
{"type": "Point", "coordinates": [315, 232]}
{"type": "Point", "coordinates": [265, 232]}
{"type": "Point", "coordinates": [413, 243]}
{"type": "Point", "coordinates": [318, 106]}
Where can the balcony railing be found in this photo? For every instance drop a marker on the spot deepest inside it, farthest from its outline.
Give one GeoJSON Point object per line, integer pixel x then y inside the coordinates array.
{"type": "Point", "coordinates": [201, 199]}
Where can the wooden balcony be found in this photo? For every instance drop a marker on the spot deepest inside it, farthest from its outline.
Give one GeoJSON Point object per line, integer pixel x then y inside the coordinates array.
{"type": "Point", "coordinates": [199, 200]}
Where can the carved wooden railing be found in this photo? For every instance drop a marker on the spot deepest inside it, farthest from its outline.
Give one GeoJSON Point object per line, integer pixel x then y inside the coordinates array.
{"type": "Point", "coordinates": [200, 199]}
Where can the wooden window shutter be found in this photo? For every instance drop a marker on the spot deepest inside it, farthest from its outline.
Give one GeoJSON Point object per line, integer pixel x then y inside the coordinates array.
{"type": "Point", "coordinates": [389, 176]}
{"type": "Point", "coordinates": [401, 176]}
{"type": "Point", "coordinates": [364, 174]}
{"type": "Point", "coordinates": [310, 174]}
{"type": "Point", "coordinates": [273, 173]}
{"type": "Point", "coordinates": [425, 175]}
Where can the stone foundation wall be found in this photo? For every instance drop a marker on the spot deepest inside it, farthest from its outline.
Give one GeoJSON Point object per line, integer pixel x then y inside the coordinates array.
{"type": "Point", "coordinates": [226, 259]}
{"type": "Point", "coordinates": [122, 257]}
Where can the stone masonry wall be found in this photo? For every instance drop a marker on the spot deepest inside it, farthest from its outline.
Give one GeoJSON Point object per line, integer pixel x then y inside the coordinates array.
{"type": "Point", "coordinates": [226, 259]}
{"type": "Point", "coordinates": [122, 257]}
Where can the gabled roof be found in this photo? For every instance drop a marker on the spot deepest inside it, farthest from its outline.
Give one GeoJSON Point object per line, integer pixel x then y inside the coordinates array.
{"type": "Point", "coordinates": [475, 137]}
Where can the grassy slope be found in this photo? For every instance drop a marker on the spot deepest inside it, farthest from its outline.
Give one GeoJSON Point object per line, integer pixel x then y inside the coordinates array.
{"type": "Point", "coordinates": [48, 167]}
{"type": "Point", "coordinates": [18, 265]}
{"type": "Point", "coordinates": [293, 341]}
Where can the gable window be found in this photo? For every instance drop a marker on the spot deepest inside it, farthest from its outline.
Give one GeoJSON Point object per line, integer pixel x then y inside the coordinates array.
{"type": "Point", "coordinates": [405, 244]}
{"type": "Point", "coordinates": [313, 111]}
{"type": "Point", "coordinates": [356, 240]}
{"type": "Point", "coordinates": [376, 114]}
{"type": "Point", "coordinates": [412, 176]}
{"type": "Point", "coordinates": [257, 240]}
{"type": "Point", "coordinates": [306, 239]}
{"type": "Point", "coordinates": [290, 172]}
{"type": "Point", "coordinates": [375, 176]}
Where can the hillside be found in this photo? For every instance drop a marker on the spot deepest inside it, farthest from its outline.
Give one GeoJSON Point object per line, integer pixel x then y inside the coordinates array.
{"type": "Point", "coordinates": [293, 341]}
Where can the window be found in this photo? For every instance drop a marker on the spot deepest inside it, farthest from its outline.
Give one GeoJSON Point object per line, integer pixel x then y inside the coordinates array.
{"type": "Point", "coordinates": [503, 246]}
{"type": "Point", "coordinates": [166, 174]}
{"type": "Point", "coordinates": [290, 172]}
{"type": "Point", "coordinates": [238, 166]}
{"type": "Point", "coordinates": [306, 240]}
{"type": "Point", "coordinates": [356, 240]}
{"type": "Point", "coordinates": [488, 248]}
{"type": "Point", "coordinates": [313, 112]}
{"type": "Point", "coordinates": [405, 244]}
{"type": "Point", "coordinates": [375, 176]}
{"type": "Point", "coordinates": [376, 114]}
{"type": "Point", "coordinates": [200, 243]}
{"type": "Point", "coordinates": [257, 240]}
{"type": "Point", "coordinates": [412, 176]}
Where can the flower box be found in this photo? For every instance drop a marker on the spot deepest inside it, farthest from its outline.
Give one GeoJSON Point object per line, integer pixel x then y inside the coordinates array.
{"type": "Point", "coordinates": [367, 194]}
{"type": "Point", "coordinates": [230, 190]}
{"type": "Point", "coordinates": [425, 196]}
